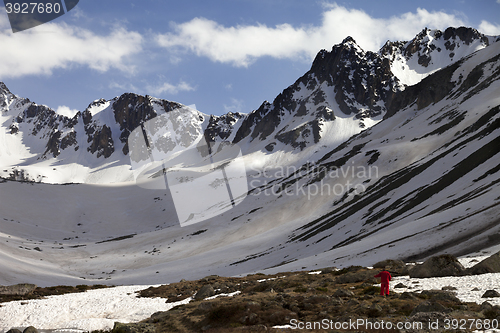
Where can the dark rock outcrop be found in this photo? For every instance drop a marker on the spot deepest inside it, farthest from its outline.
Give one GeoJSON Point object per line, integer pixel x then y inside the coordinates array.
{"type": "Point", "coordinates": [204, 292]}
{"type": "Point", "coordinates": [395, 267]}
{"type": "Point", "coordinates": [440, 295]}
{"type": "Point", "coordinates": [488, 265]}
{"type": "Point", "coordinates": [442, 265]}
{"type": "Point", "coordinates": [133, 328]}
{"type": "Point", "coordinates": [491, 294]}
{"type": "Point", "coordinates": [18, 289]}
{"type": "Point", "coordinates": [14, 330]}
{"type": "Point", "coordinates": [102, 142]}
{"type": "Point", "coordinates": [359, 276]}
{"type": "Point", "coordinates": [30, 329]}
{"type": "Point", "coordinates": [428, 306]}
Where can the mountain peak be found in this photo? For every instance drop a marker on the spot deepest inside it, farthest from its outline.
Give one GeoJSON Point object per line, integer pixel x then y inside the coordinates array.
{"type": "Point", "coordinates": [3, 87]}
{"type": "Point", "coordinates": [465, 34]}
{"type": "Point", "coordinates": [348, 40]}
{"type": "Point", "coordinates": [431, 50]}
{"type": "Point", "coordinates": [5, 94]}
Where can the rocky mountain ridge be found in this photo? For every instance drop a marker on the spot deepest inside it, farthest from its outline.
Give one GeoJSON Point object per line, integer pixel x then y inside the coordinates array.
{"type": "Point", "coordinates": [346, 87]}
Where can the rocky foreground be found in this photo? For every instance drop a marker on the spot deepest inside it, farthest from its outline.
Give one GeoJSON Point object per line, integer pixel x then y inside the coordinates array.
{"type": "Point", "coordinates": [327, 300]}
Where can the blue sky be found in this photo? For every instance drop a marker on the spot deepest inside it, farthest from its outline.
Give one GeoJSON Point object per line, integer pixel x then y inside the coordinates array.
{"type": "Point", "coordinates": [219, 55]}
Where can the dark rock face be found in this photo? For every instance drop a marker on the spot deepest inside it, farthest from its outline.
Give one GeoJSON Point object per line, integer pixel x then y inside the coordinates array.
{"type": "Point", "coordinates": [422, 47]}
{"type": "Point", "coordinates": [254, 118]}
{"type": "Point", "coordinates": [131, 110]}
{"type": "Point", "coordinates": [69, 140]}
{"type": "Point", "coordinates": [298, 137]}
{"type": "Point", "coordinates": [221, 127]}
{"type": "Point", "coordinates": [102, 142]}
{"type": "Point", "coordinates": [430, 90]}
{"type": "Point", "coordinates": [467, 35]}
{"type": "Point", "coordinates": [53, 144]}
{"type": "Point", "coordinates": [359, 78]}
{"type": "Point", "coordinates": [443, 265]}
{"type": "Point", "coordinates": [359, 81]}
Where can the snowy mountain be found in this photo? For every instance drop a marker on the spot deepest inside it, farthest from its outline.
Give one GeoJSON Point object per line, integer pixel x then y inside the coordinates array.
{"type": "Point", "coordinates": [367, 156]}
{"type": "Point", "coordinates": [345, 91]}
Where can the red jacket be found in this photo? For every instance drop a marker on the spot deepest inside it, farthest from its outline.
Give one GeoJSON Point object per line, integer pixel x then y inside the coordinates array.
{"type": "Point", "coordinates": [384, 276]}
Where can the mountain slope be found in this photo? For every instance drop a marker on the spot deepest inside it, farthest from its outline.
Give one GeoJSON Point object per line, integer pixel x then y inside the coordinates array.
{"type": "Point", "coordinates": [437, 177]}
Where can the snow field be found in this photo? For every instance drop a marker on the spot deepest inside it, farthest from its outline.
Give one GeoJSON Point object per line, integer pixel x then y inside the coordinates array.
{"type": "Point", "coordinates": [81, 312]}
{"type": "Point", "coordinates": [99, 309]}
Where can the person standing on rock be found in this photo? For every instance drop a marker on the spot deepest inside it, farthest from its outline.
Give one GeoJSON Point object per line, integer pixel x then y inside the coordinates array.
{"type": "Point", "coordinates": [385, 277]}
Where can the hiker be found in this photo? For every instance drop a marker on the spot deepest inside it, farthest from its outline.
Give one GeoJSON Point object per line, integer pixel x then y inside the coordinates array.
{"type": "Point", "coordinates": [385, 277]}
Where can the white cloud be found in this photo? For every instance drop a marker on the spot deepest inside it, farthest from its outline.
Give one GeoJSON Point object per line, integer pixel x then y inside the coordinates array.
{"type": "Point", "coordinates": [66, 111]}
{"type": "Point", "coordinates": [488, 28]}
{"type": "Point", "coordinates": [170, 88]}
{"type": "Point", "coordinates": [235, 106]}
{"type": "Point", "coordinates": [123, 87]}
{"type": "Point", "coordinates": [52, 46]}
{"type": "Point", "coordinates": [241, 45]}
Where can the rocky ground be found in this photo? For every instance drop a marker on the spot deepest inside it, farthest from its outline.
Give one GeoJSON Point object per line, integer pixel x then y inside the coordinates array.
{"type": "Point", "coordinates": [327, 300]}
{"type": "Point", "coordinates": [330, 299]}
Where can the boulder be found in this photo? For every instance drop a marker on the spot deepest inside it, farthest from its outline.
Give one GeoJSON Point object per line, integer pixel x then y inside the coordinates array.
{"type": "Point", "coordinates": [428, 307]}
{"type": "Point", "coordinates": [438, 266]}
{"type": "Point", "coordinates": [449, 288]}
{"type": "Point", "coordinates": [133, 328]}
{"type": "Point", "coordinates": [409, 295]}
{"type": "Point", "coordinates": [486, 306]}
{"type": "Point", "coordinates": [18, 289]}
{"type": "Point", "coordinates": [204, 292]}
{"type": "Point", "coordinates": [206, 306]}
{"type": "Point", "coordinates": [428, 317]}
{"type": "Point", "coordinates": [488, 265]}
{"type": "Point", "coordinates": [395, 267]}
{"type": "Point", "coordinates": [328, 270]}
{"type": "Point", "coordinates": [491, 294]}
{"type": "Point", "coordinates": [441, 295]}
{"type": "Point", "coordinates": [14, 330]}
{"type": "Point", "coordinates": [355, 277]}
{"type": "Point", "coordinates": [30, 329]}
{"type": "Point", "coordinates": [343, 293]}
{"type": "Point", "coordinates": [317, 299]}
